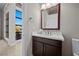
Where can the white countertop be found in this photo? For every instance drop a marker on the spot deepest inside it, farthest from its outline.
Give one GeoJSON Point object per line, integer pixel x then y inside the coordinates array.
{"type": "Point", "coordinates": [54, 36]}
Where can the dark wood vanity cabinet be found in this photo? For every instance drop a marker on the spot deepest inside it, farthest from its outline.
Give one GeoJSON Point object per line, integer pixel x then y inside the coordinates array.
{"type": "Point", "coordinates": [38, 49]}
{"type": "Point", "coordinates": [46, 47]}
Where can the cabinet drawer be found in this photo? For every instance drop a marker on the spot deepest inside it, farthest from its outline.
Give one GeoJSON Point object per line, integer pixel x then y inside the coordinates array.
{"type": "Point", "coordinates": [38, 39]}
{"type": "Point", "coordinates": [48, 41]}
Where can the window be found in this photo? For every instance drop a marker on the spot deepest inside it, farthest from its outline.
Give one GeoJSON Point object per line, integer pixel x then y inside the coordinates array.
{"type": "Point", "coordinates": [18, 17]}
{"type": "Point", "coordinates": [19, 22]}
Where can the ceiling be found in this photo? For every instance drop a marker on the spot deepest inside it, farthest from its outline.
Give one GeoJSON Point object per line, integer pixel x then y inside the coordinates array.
{"type": "Point", "coordinates": [1, 5]}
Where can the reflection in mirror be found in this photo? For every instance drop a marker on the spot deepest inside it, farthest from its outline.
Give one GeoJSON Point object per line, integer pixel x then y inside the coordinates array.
{"type": "Point", "coordinates": [50, 17]}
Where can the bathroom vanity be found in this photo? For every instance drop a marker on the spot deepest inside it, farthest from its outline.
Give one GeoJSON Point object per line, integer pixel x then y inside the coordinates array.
{"type": "Point", "coordinates": [47, 45]}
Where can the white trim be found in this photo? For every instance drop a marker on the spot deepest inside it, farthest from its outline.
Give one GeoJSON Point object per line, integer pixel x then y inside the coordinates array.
{"type": "Point", "coordinates": [17, 41]}
{"type": "Point", "coordinates": [5, 6]}
{"type": "Point", "coordinates": [6, 10]}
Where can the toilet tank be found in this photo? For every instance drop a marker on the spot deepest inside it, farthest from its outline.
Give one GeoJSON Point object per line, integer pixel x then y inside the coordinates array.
{"type": "Point", "coordinates": [75, 46]}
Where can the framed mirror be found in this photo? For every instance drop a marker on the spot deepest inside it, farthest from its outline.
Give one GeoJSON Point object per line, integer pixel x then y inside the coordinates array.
{"type": "Point", "coordinates": [50, 17]}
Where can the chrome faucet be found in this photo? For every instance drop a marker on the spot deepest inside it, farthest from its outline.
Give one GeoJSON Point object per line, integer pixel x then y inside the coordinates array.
{"type": "Point", "coordinates": [49, 33]}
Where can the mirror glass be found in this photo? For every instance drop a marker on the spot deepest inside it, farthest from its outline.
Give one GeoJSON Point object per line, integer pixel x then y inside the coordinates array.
{"type": "Point", "coordinates": [50, 17]}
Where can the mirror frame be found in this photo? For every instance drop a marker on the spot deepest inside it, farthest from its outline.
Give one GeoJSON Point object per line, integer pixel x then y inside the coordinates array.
{"type": "Point", "coordinates": [58, 20]}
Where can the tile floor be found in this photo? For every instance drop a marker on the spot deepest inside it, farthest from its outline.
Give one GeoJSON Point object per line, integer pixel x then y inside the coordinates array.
{"type": "Point", "coordinates": [6, 50]}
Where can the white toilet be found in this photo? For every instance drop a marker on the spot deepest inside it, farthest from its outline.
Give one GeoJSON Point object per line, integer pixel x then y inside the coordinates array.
{"type": "Point", "coordinates": [75, 46]}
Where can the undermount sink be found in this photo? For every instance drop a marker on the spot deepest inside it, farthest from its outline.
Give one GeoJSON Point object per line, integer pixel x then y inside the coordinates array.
{"type": "Point", "coordinates": [53, 35]}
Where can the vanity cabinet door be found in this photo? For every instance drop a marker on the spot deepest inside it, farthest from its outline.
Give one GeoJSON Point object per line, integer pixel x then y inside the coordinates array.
{"type": "Point", "coordinates": [50, 50]}
{"type": "Point", "coordinates": [46, 47]}
{"type": "Point", "coordinates": [37, 48]}
{"type": "Point", "coordinates": [59, 51]}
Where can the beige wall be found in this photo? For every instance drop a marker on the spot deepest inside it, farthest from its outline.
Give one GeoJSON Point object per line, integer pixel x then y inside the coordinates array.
{"type": "Point", "coordinates": [69, 25]}
{"type": "Point", "coordinates": [0, 24]}
{"type": "Point", "coordinates": [30, 10]}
